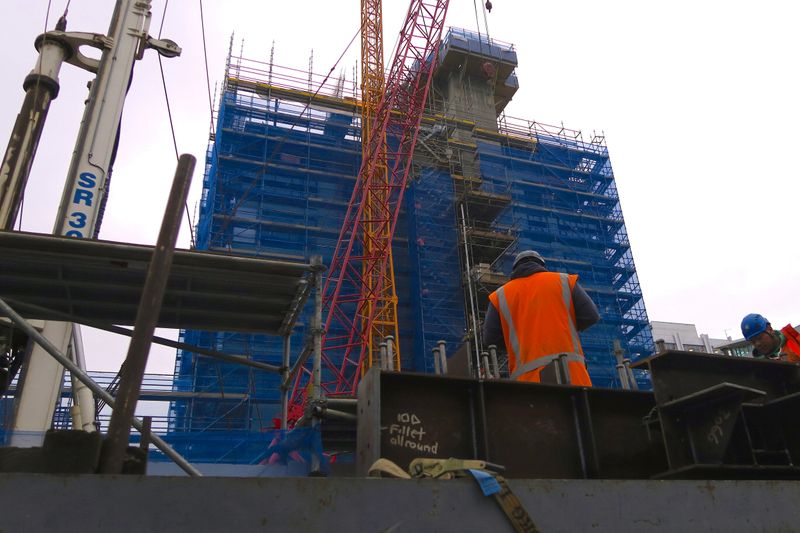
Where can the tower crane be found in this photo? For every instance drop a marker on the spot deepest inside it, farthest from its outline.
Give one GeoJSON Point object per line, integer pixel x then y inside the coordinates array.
{"type": "Point", "coordinates": [383, 305]}
{"type": "Point", "coordinates": [359, 294]}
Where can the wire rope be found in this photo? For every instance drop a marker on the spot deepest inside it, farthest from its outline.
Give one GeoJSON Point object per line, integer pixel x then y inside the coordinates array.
{"type": "Point", "coordinates": [171, 123]}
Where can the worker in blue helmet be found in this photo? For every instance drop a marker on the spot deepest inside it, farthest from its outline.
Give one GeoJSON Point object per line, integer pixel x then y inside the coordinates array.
{"type": "Point", "coordinates": [769, 343]}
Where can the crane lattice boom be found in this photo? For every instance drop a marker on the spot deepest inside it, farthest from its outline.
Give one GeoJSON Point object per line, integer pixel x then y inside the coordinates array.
{"type": "Point", "coordinates": [359, 294]}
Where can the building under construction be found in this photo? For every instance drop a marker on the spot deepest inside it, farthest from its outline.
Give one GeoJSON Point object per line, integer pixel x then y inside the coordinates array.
{"type": "Point", "coordinates": [717, 437]}
{"type": "Point", "coordinates": [280, 171]}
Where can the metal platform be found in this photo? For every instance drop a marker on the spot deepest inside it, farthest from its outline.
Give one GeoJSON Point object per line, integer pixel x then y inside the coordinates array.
{"type": "Point", "coordinates": [58, 278]}
{"type": "Point", "coordinates": [57, 503]}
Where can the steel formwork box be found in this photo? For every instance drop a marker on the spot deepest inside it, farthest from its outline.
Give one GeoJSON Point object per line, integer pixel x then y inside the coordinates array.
{"type": "Point", "coordinates": [676, 374]}
{"type": "Point", "coordinates": [402, 416]}
{"type": "Point", "coordinates": [533, 430]}
{"type": "Point", "coordinates": [624, 448]}
{"type": "Point", "coordinates": [554, 431]}
{"type": "Point", "coordinates": [727, 417]}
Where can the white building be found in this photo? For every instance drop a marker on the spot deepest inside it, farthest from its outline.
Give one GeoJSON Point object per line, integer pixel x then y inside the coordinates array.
{"type": "Point", "coordinates": [679, 336]}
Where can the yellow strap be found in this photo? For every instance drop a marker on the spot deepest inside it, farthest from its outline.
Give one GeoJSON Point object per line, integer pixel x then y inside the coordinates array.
{"type": "Point", "coordinates": [386, 468]}
{"type": "Point", "coordinates": [513, 508]}
{"type": "Point", "coordinates": [508, 502]}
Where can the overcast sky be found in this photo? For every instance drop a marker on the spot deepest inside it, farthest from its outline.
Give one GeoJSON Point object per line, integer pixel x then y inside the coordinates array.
{"type": "Point", "coordinates": [698, 101]}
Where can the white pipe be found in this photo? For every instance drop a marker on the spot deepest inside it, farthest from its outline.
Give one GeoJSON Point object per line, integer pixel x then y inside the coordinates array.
{"type": "Point", "coordinates": [472, 306]}
{"type": "Point", "coordinates": [82, 396]}
{"type": "Point", "coordinates": [390, 353]}
{"type": "Point", "coordinates": [442, 356]}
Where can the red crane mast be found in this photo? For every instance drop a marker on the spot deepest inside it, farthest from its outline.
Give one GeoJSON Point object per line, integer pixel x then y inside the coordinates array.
{"type": "Point", "coordinates": [356, 282]}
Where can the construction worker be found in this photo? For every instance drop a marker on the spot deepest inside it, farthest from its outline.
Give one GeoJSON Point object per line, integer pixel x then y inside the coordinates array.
{"type": "Point", "coordinates": [783, 344]}
{"type": "Point", "coordinates": [536, 316]}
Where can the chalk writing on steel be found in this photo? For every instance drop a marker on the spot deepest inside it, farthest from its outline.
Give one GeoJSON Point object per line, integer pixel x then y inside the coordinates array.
{"type": "Point", "coordinates": [408, 432]}
{"type": "Point", "coordinates": [716, 432]}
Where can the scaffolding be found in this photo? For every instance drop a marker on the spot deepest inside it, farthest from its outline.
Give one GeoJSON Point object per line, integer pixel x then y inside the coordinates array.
{"type": "Point", "coordinates": [280, 171]}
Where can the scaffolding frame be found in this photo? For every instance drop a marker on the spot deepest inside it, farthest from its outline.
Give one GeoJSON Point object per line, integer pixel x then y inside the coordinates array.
{"type": "Point", "coordinates": [98, 284]}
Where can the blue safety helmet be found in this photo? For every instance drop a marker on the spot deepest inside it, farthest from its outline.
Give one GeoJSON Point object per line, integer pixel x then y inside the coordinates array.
{"type": "Point", "coordinates": [528, 254]}
{"type": "Point", "coordinates": [753, 324]}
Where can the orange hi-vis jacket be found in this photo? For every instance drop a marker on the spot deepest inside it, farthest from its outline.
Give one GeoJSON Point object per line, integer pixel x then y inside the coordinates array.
{"type": "Point", "coordinates": [791, 350]}
{"type": "Point", "coordinates": [538, 319]}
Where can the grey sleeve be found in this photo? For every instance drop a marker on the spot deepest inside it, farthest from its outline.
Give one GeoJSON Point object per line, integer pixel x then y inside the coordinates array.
{"type": "Point", "coordinates": [586, 313]}
{"type": "Point", "coordinates": [492, 329]}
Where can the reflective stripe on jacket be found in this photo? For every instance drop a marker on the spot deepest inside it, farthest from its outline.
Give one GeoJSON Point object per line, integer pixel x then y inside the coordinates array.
{"type": "Point", "coordinates": [538, 319]}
